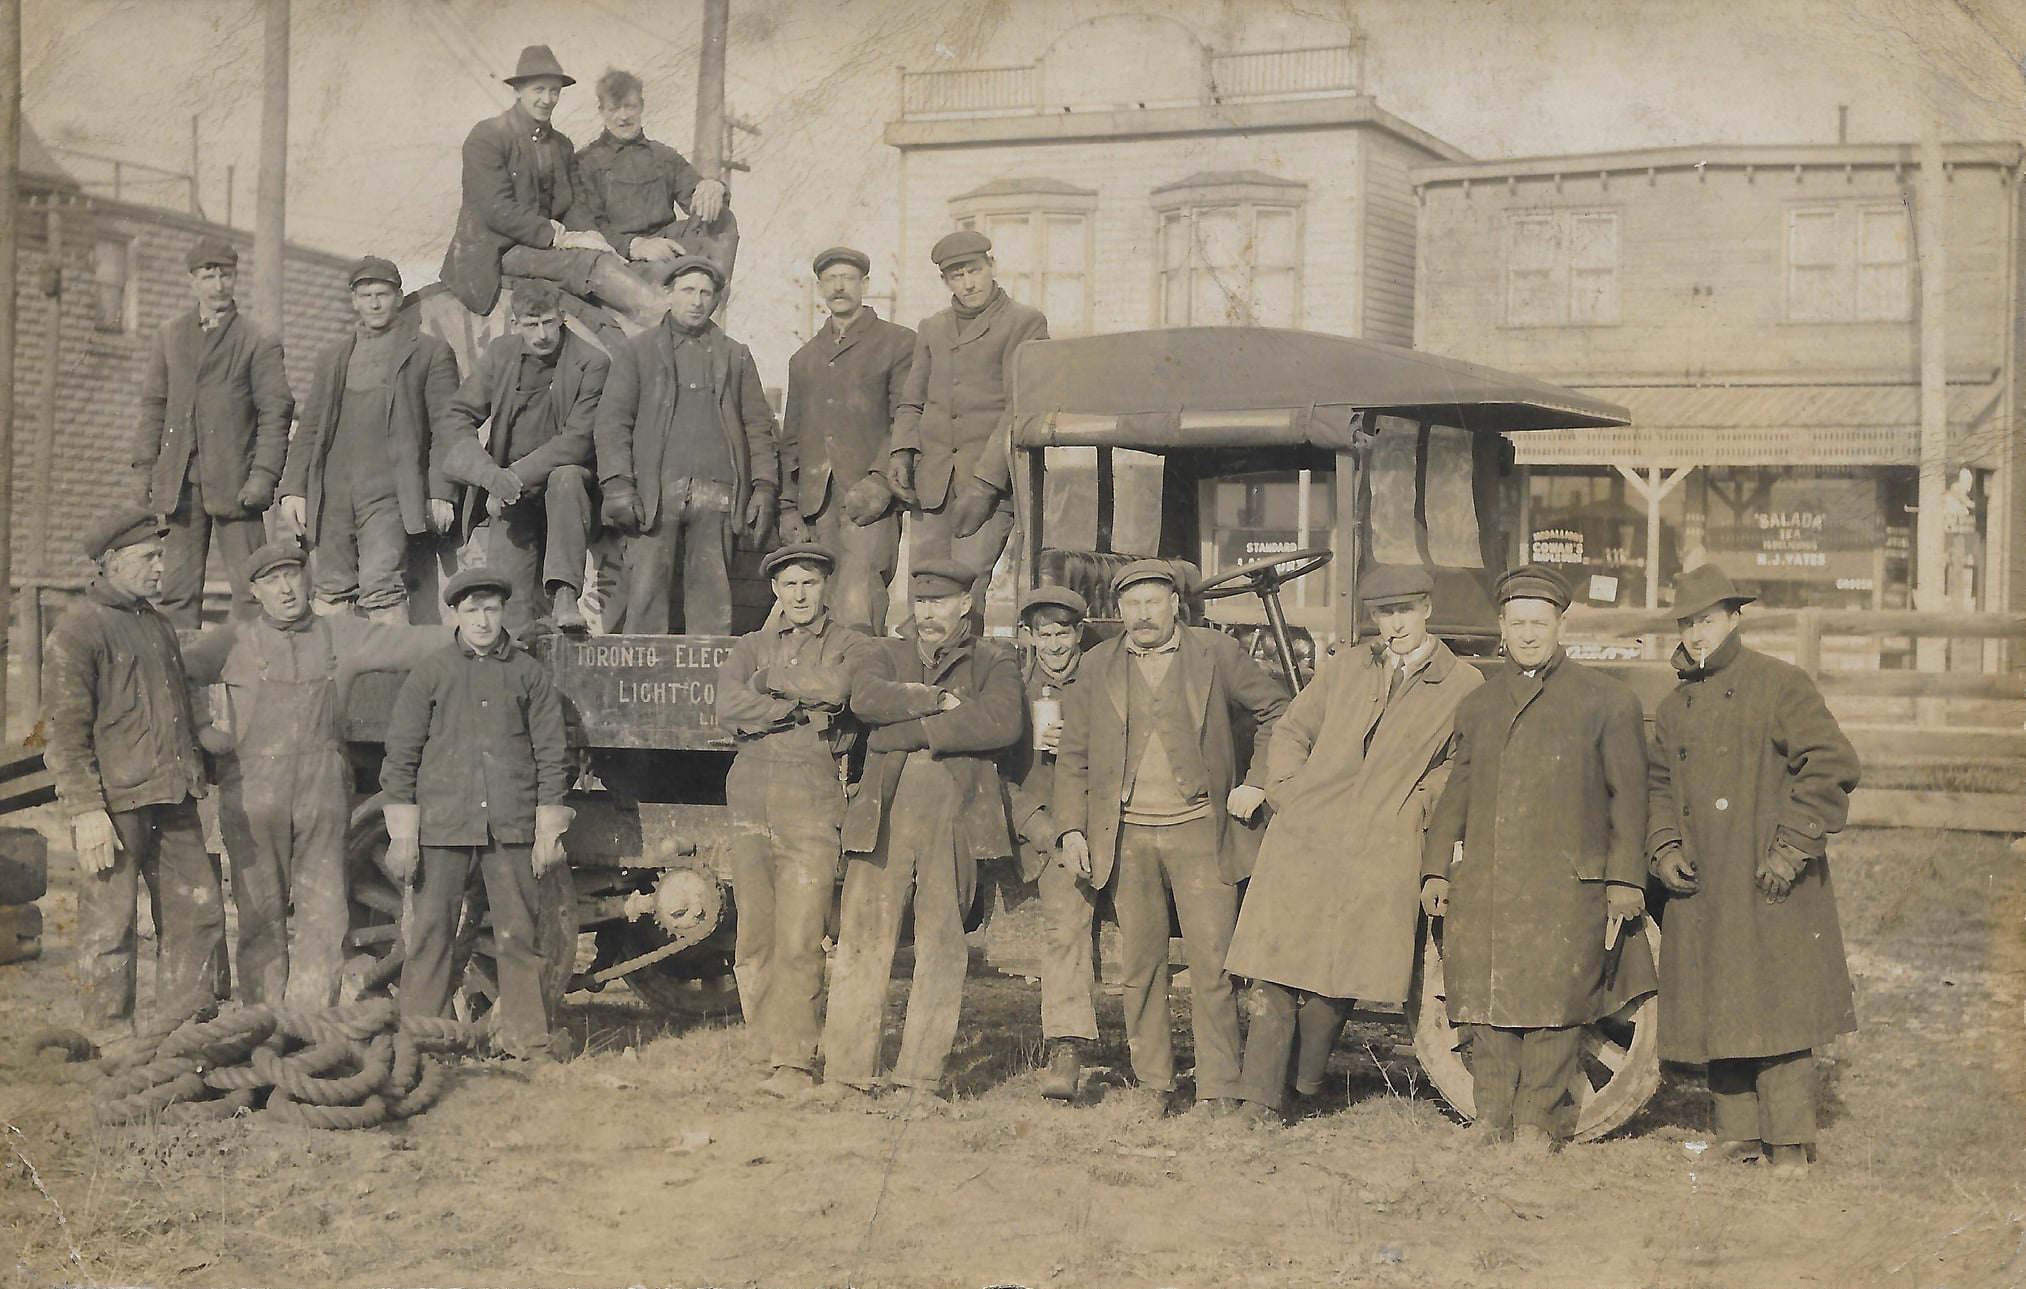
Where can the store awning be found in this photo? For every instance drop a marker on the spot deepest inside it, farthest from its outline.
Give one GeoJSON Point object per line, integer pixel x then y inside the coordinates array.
{"type": "Point", "coordinates": [1774, 425]}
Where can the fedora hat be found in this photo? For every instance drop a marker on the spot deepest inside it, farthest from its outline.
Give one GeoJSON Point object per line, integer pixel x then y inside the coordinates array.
{"type": "Point", "coordinates": [1703, 587]}
{"type": "Point", "coordinates": [538, 60]}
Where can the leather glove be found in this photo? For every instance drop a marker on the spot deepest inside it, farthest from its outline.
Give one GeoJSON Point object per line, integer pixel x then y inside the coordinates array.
{"type": "Point", "coordinates": [1624, 902]}
{"type": "Point", "coordinates": [1778, 869]}
{"type": "Point", "coordinates": [96, 840]}
{"type": "Point", "coordinates": [620, 510]}
{"type": "Point", "coordinates": [404, 842]}
{"type": "Point", "coordinates": [761, 508]}
{"type": "Point", "coordinates": [442, 515]}
{"type": "Point", "coordinates": [793, 527]}
{"type": "Point", "coordinates": [1042, 830]}
{"type": "Point", "coordinates": [1676, 870]}
{"type": "Point", "coordinates": [1435, 896]}
{"type": "Point", "coordinates": [1244, 801]}
{"type": "Point", "coordinates": [1073, 853]}
{"type": "Point", "coordinates": [504, 484]}
{"type": "Point", "coordinates": [257, 493]}
{"type": "Point", "coordinates": [589, 239]}
{"type": "Point", "coordinates": [974, 504]}
{"type": "Point", "coordinates": [551, 822]}
{"type": "Point", "coordinates": [900, 475]}
{"type": "Point", "coordinates": [817, 683]}
{"type": "Point", "coordinates": [215, 741]}
{"type": "Point", "coordinates": [295, 514]}
{"type": "Point", "coordinates": [867, 501]}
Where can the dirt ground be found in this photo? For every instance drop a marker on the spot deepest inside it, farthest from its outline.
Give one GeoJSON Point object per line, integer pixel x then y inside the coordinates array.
{"type": "Point", "coordinates": [648, 1159]}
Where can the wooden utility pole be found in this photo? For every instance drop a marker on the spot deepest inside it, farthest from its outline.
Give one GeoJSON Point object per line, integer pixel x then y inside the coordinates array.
{"type": "Point", "coordinates": [1930, 527]}
{"type": "Point", "coordinates": [270, 218]}
{"type": "Point", "coordinates": [708, 143]}
{"type": "Point", "coordinates": [10, 198]}
{"type": "Point", "coordinates": [196, 206]}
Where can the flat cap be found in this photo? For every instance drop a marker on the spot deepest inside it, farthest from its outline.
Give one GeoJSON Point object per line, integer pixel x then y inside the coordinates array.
{"type": "Point", "coordinates": [538, 60]}
{"type": "Point", "coordinates": [209, 251]}
{"type": "Point", "coordinates": [697, 264]}
{"type": "Point", "coordinates": [1702, 587]}
{"type": "Point", "coordinates": [1145, 570]}
{"type": "Point", "coordinates": [933, 577]}
{"type": "Point", "coordinates": [798, 553]}
{"type": "Point", "coordinates": [126, 527]}
{"type": "Point", "coordinates": [1392, 583]}
{"type": "Point", "coordinates": [1060, 597]}
{"type": "Point", "coordinates": [843, 255]}
{"type": "Point", "coordinates": [1533, 582]}
{"type": "Point", "coordinates": [962, 244]}
{"type": "Point", "coordinates": [373, 268]}
{"type": "Point", "coordinates": [478, 578]}
{"type": "Point", "coordinates": [272, 556]}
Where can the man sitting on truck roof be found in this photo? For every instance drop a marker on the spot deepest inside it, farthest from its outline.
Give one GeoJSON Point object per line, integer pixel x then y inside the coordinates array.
{"type": "Point", "coordinates": [655, 207]}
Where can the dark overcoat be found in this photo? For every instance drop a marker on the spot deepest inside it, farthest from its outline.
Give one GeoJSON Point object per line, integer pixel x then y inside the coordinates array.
{"type": "Point", "coordinates": [1547, 793]}
{"type": "Point", "coordinates": [421, 380]}
{"type": "Point", "coordinates": [959, 386]}
{"type": "Point", "coordinates": [1353, 778]}
{"type": "Point", "coordinates": [1748, 757]}
{"type": "Point", "coordinates": [488, 395]}
{"type": "Point", "coordinates": [1222, 683]}
{"type": "Point", "coordinates": [223, 400]}
{"type": "Point", "coordinates": [502, 205]}
{"type": "Point", "coordinates": [842, 398]}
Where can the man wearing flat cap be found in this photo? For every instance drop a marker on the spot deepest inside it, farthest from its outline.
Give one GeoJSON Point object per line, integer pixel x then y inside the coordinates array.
{"type": "Point", "coordinates": [940, 707]}
{"type": "Point", "coordinates": [782, 691]}
{"type": "Point", "coordinates": [473, 775]}
{"type": "Point", "coordinates": [653, 205]}
{"type": "Point", "coordinates": [1535, 858]}
{"type": "Point", "coordinates": [953, 411]}
{"type": "Point", "coordinates": [1751, 777]}
{"type": "Point", "coordinates": [687, 460]}
{"type": "Point", "coordinates": [1361, 753]}
{"type": "Point", "coordinates": [1154, 790]}
{"type": "Point", "coordinates": [122, 747]}
{"type": "Point", "coordinates": [530, 482]}
{"type": "Point", "coordinates": [284, 781]}
{"type": "Point", "coordinates": [528, 213]}
{"type": "Point", "coordinates": [363, 478]}
{"type": "Point", "coordinates": [845, 387]}
{"type": "Point", "coordinates": [215, 410]}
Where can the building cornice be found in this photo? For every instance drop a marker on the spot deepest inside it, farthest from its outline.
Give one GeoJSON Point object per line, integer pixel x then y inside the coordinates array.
{"type": "Point", "coordinates": [1756, 157]}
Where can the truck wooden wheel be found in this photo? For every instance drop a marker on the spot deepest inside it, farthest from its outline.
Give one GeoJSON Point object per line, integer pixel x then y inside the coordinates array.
{"type": "Point", "coordinates": [1621, 1053]}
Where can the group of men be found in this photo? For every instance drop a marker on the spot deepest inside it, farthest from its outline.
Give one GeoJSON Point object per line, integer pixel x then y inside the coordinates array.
{"type": "Point", "coordinates": [1518, 807]}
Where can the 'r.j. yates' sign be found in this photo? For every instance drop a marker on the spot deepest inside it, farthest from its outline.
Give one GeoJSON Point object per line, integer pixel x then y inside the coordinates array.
{"type": "Point", "coordinates": [641, 691]}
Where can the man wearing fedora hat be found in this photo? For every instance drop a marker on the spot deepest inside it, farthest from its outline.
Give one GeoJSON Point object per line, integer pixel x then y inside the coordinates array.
{"type": "Point", "coordinates": [952, 411]}
{"type": "Point", "coordinates": [1155, 793]}
{"type": "Point", "coordinates": [687, 460]}
{"type": "Point", "coordinates": [940, 707]}
{"type": "Point", "coordinates": [473, 776]}
{"type": "Point", "coordinates": [363, 475]}
{"type": "Point", "coordinates": [122, 747]}
{"type": "Point", "coordinates": [527, 212]}
{"type": "Point", "coordinates": [215, 410]}
{"type": "Point", "coordinates": [1362, 752]}
{"type": "Point", "coordinates": [844, 390]}
{"type": "Point", "coordinates": [781, 692]}
{"type": "Point", "coordinates": [1751, 777]}
{"type": "Point", "coordinates": [1534, 857]}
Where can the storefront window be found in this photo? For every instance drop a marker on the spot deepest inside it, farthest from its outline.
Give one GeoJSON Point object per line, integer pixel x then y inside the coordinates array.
{"type": "Point", "coordinates": [1257, 516]}
{"type": "Point", "coordinates": [1589, 523]}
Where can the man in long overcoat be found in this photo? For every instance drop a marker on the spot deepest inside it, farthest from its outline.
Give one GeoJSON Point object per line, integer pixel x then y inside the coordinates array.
{"type": "Point", "coordinates": [1353, 773]}
{"type": "Point", "coordinates": [844, 390]}
{"type": "Point", "coordinates": [929, 805]}
{"type": "Point", "coordinates": [1147, 783]}
{"type": "Point", "coordinates": [1751, 777]}
{"type": "Point", "coordinates": [530, 483]}
{"type": "Point", "coordinates": [1547, 797]}
{"type": "Point", "coordinates": [362, 477]}
{"type": "Point", "coordinates": [215, 408]}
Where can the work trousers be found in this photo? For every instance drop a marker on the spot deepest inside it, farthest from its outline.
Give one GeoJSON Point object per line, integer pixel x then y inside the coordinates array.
{"type": "Point", "coordinates": [1287, 1026]}
{"type": "Point", "coordinates": [1069, 955]}
{"type": "Point", "coordinates": [933, 539]}
{"type": "Point", "coordinates": [1153, 864]}
{"type": "Point", "coordinates": [917, 851]}
{"type": "Point", "coordinates": [866, 558]}
{"type": "Point", "coordinates": [1769, 1099]}
{"type": "Point", "coordinates": [361, 554]}
{"type": "Point", "coordinates": [187, 549]}
{"type": "Point", "coordinates": [569, 269]}
{"type": "Point", "coordinates": [694, 533]}
{"type": "Point", "coordinates": [162, 847]}
{"type": "Point", "coordinates": [1526, 1077]}
{"type": "Point", "coordinates": [785, 815]}
{"type": "Point", "coordinates": [284, 818]}
{"type": "Point", "coordinates": [448, 872]}
{"type": "Point", "coordinates": [540, 541]}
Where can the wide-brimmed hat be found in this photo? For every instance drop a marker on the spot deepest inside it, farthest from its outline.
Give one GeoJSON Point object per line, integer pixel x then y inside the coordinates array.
{"type": "Point", "coordinates": [1702, 587]}
{"type": "Point", "coordinates": [538, 60]}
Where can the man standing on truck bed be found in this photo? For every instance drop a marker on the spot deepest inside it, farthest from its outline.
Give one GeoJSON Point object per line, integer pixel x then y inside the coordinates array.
{"type": "Point", "coordinates": [639, 183]}
{"type": "Point", "coordinates": [123, 751]}
{"type": "Point", "coordinates": [530, 483]}
{"type": "Point", "coordinates": [781, 691]}
{"type": "Point", "coordinates": [363, 477]}
{"type": "Point", "coordinates": [215, 408]}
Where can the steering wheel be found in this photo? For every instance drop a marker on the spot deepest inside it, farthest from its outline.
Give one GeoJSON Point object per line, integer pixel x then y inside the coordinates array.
{"type": "Point", "coordinates": [1264, 574]}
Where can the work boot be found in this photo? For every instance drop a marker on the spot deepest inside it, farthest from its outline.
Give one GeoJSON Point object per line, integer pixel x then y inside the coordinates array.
{"type": "Point", "coordinates": [788, 1083]}
{"type": "Point", "coordinates": [1482, 1134]}
{"type": "Point", "coordinates": [568, 618]}
{"type": "Point", "coordinates": [618, 288]}
{"type": "Point", "coordinates": [1253, 1114]}
{"type": "Point", "coordinates": [1065, 1065]}
{"type": "Point", "coordinates": [1740, 1152]}
{"type": "Point", "coordinates": [1787, 1160]}
{"type": "Point", "coordinates": [1532, 1141]}
{"type": "Point", "coordinates": [1221, 1107]}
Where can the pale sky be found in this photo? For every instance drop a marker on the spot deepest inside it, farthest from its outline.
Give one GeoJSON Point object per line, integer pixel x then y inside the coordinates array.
{"type": "Point", "coordinates": [383, 91]}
